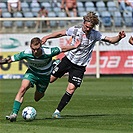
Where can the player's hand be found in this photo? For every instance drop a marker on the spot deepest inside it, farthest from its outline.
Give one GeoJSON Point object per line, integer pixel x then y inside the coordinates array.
{"type": "Point", "coordinates": [43, 40]}
{"type": "Point", "coordinates": [131, 40]}
{"type": "Point", "coordinates": [122, 34]}
{"type": "Point", "coordinates": [5, 61]}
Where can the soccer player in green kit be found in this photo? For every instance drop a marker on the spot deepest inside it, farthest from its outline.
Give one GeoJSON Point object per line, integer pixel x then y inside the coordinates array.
{"type": "Point", "coordinates": [39, 59]}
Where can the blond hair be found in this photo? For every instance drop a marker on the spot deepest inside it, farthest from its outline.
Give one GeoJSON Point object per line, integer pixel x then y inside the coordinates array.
{"type": "Point", "coordinates": [91, 17]}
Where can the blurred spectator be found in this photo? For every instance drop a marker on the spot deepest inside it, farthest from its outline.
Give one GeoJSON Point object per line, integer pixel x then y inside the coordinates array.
{"type": "Point", "coordinates": [123, 4]}
{"type": "Point", "coordinates": [54, 3]}
{"type": "Point", "coordinates": [13, 6]}
{"type": "Point", "coordinates": [35, 1]}
{"type": "Point", "coordinates": [42, 13]}
{"type": "Point", "coordinates": [0, 12]}
{"type": "Point", "coordinates": [130, 3]}
{"type": "Point", "coordinates": [69, 5]}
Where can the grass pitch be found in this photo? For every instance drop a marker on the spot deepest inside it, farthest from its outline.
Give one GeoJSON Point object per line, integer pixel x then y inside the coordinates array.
{"type": "Point", "coordinates": [99, 106]}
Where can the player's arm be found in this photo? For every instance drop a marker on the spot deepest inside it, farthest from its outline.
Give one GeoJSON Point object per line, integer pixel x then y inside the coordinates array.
{"type": "Point", "coordinates": [54, 35]}
{"type": "Point", "coordinates": [5, 60]}
{"type": "Point", "coordinates": [71, 46]}
{"type": "Point", "coordinates": [131, 40]}
{"type": "Point", "coordinates": [115, 39]}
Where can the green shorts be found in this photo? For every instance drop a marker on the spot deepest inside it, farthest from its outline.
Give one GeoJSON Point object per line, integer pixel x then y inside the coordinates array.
{"type": "Point", "coordinates": [41, 81]}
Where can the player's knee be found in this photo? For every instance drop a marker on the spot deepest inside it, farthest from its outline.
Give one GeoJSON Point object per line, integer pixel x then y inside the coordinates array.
{"type": "Point", "coordinates": [52, 79]}
{"type": "Point", "coordinates": [37, 99]}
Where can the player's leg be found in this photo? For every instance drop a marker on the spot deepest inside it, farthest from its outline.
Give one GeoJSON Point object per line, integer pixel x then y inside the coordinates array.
{"type": "Point", "coordinates": [75, 79]}
{"type": "Point", "coordinates": [60, 68]}
{"type": "Point", "coordinates": [53, 78]}
{"type": "Point", "coordinates": [25, 85]}
{"type": "Point", "coordinates": [41, 86]}
{"type": "Point", "coordinates": [38, 95]}
{"type": "Point", "coordinates": [64, 100]}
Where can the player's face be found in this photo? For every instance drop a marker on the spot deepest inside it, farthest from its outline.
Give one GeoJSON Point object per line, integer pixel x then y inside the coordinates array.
{"type": "Point", "coordinates": [36, 50]}
{"type": "Point", "coordinates": [87, 27]}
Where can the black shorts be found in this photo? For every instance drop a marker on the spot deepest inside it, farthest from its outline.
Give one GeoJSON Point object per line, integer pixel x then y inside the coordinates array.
{"type": "Point", "coordinates": [75, 72]}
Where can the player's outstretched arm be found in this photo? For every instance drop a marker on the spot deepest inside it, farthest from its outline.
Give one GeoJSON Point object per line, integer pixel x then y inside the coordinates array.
{"type": "Point", "coordinates": [53, 35]}
{"type": "Point", "coordinates": [71, 46]}
{"type": "Point", "coordinates": [115, 39]}
{"type": "Point", "coordinates": [6, 60]}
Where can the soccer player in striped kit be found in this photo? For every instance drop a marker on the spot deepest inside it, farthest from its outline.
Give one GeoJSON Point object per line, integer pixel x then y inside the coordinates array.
{"type": "Point", "coordinates": [75, 61]}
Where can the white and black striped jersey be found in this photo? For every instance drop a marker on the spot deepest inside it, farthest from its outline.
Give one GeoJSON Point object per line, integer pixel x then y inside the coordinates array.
{"type": "Point", "coordinates": [82, 55]}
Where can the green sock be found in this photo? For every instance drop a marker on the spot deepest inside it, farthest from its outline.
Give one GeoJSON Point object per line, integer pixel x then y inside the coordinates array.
{"type": "Point", "coordinates": [16, 107]}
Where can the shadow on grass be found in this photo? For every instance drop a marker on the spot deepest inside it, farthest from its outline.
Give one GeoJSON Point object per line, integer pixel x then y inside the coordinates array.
{"type": "Point", "coordinates": [83, 116]}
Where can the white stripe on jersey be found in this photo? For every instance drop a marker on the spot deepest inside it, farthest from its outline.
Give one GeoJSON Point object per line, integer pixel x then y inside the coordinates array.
{"type": "Point", "coordinates": [82, 55]}
{"type": "Point", "coordinates": [41, 65]}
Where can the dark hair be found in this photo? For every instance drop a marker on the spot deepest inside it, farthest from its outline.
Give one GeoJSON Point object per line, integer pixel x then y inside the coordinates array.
{"type": "Point", "coordinates": [42, 7]}
{"type": "Point", "coordinates": [91, 17]}
{"type": "Point", "coordinates": [35, 41]}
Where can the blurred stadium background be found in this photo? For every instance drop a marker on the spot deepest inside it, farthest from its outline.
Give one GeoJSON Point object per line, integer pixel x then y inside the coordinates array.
{"type": "Point", "coordinates": [17, 30]}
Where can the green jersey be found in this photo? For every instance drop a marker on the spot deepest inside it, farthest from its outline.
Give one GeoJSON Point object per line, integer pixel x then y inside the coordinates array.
{"type": "Point", "coordinates": [41, 65]}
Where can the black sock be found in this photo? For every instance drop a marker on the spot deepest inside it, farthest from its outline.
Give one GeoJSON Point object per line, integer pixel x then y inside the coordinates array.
{"type": "Point", "coordinates": [64, 101]}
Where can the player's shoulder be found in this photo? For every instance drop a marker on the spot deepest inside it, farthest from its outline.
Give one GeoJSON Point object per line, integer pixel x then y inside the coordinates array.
{"type": "Point", "coordinates": [93, 31]}
{"type": "Point", "coordinates": [47, 50]}
{"type": "Point", "coordinates": [27, 51]}
{"type": "Point", "coordinates": [74, 29]}
{"type": "Point", "coordinates": [78, 26]}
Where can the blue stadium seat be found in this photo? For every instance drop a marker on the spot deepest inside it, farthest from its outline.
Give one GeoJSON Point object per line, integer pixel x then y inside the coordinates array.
{"type": "Point", "coordinates": [19, 24]}
{"type": "Point", "coordinates": [79, 4]}
{"type": "Point", "coordinates": [100, 5]}
{"type": "Point", "coordinates": [7, 24]}
{"type": "Point", "coordinates": [62, 23]}
{"type": "Point", "coordinates": [111, 6]}
{"type": "Point", "coordinates": [81, 14]}
{"type": "Point", "coordinates": [25, 7]}
{"type": "Point", "coordinates": [128, 19]}
{"type": "Point", "coordinates": [57, 10]}
{"type": "Point", "coordinates": [80, 7]}
{"type": "Point", "coordinates": [53, 23]}
{"type": "Point", "coordinates": [47, 5]}
{"type": "Point", "coordinates": [89, 6]}
{"type": "Point", "coordinates": [129, 8]}
{"type": "Point", "coordinates": [3, 7]}
{"type": "Point", "coordinates": [35, 11]}
{"type": "Point", "coordinates": [106, 19]}
{"type": "Point", "coordinates": [34, 4]}
{"type": "Point", "coordinates": [29, 23]}
{"type": "Point", "coordinates": [117, 18]}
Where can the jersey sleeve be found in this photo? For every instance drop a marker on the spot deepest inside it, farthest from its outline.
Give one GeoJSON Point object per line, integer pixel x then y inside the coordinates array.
{"type": "Point", "coordinates": [99, 36]}
{"type": "Point", "coordinates": [18, 56]}
{"type": "Point", "coordinates": [55, 51]}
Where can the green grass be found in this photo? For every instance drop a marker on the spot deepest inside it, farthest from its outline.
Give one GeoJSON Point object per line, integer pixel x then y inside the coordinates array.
{"type": "Point", "coordinates": [99, 106]}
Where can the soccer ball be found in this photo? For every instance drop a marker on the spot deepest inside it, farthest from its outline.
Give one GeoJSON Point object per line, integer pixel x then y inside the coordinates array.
{"type": "Point", "coordinates": [29, 113]}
